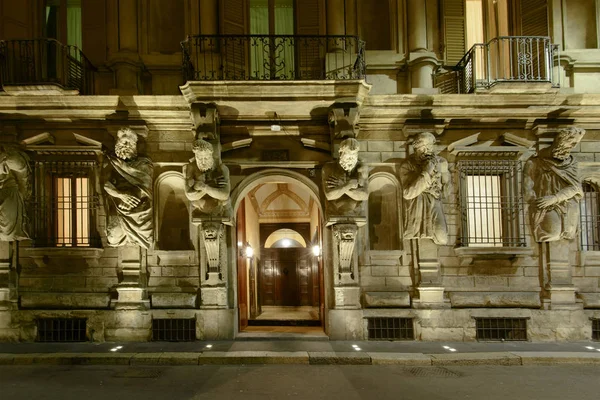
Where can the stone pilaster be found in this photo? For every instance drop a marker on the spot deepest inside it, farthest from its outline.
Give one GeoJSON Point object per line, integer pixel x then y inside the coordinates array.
{"type": "Point", "coordinates": [213, 259]}
{"type": "Point", "coordinates": [428, 276]}
{"type": "Point", "coordinates": [422, 61]}
{"type": "Point", "coordinates": [345, 262]}
{"type": "Point", "coordinates": [131, 290]}
{"type": "Point", "coordinates": [8, 276]}
{"type": "Point", "coordinates": [558, 285]}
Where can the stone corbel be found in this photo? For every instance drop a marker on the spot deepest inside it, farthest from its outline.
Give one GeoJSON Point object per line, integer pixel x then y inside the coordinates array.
{"type": "Point", "coordinates": [345, 240]}
{"type": "Point", "coordinates": [212, 234]}
{"type": "Point", "coordinates": [343, 120]}
{"type": "Point", "coordinates": [205, 120]}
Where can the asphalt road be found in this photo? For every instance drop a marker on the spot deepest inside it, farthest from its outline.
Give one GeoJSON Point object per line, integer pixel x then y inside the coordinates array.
{"type": "Point", "coordinates": [299, 382]}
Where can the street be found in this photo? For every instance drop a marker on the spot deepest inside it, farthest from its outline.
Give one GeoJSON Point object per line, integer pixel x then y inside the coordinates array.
{"type": "Point", "coordinates": [299, 381]}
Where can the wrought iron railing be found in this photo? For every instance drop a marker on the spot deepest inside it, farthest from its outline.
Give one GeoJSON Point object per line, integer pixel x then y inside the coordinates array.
{"type": "Point", "coordinates": [272, 57]}
{"type": "Point", "coordinates": [45, 62]}
{"type": "Point", "coordinates": [525, 59]}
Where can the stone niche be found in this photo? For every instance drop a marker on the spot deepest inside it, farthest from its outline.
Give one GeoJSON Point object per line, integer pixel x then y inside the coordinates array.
{"type": "Point", "coordinates": [172, 215]}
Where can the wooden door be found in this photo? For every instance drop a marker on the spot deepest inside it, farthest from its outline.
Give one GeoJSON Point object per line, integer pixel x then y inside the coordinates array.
{"type": "Point", "coordinates": [286, 277]}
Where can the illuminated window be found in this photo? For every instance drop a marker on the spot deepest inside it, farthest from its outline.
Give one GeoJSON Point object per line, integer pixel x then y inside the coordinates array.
{"type": "Point", "coordinates": [72, 211]}
{"type": "Point", "coordinates": [590, 218]}
{"type": "Point", "coordinates": [492, 212]}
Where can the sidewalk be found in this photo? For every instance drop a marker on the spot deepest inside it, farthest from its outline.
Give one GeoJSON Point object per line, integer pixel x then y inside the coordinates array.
{"type": "Point", "coordinates": [300, 352]}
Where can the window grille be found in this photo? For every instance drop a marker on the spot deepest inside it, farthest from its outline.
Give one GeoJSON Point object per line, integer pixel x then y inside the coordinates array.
{"type": "Point", "coordinates": [390, 328]}
{"type": "Point", "coordinates": [510, 329]}
{"type": "Point", "coordinates": [61, 330]}
{"type": "Point", "coordinates": [65, 204]}
{"type": "Point", "coordinates": [590, 218]}
{"type": "Point", "coordinates": [596, 329]}
{"type": "Point", "coordinates": [174, 329]}
{"type": "Point", "coordinates": [491, 203]}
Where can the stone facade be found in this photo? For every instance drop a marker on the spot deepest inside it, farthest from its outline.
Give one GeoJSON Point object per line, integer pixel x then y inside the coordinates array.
{"type": "Point", "coordinates": [490, 263]}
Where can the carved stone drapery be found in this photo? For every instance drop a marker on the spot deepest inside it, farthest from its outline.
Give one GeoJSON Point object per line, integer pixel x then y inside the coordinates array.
{"type": "Point", "coordinates": [15, 190]}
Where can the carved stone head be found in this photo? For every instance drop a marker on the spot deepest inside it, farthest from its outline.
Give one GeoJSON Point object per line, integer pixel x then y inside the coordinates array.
{"type": "Point", "coordinates": [424, 145]}
{"type": "Point", "coordinates": [203, 152]}
{"type": "Point", "coordinates": [349, 154]}
{"type": "Point", "coordinates": [564, 142]}
{"type": "Point", "coordinates": [126, 145]}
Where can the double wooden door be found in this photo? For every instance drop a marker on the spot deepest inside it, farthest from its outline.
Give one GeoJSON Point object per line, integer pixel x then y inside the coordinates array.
{"type": "Point", "coordinates": [288, 277]}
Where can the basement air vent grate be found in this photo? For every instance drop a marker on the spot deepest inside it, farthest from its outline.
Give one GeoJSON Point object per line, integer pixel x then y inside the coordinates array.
{"type": "Point", "coordinates": [391, 329]}
{"type": "Point", "coordinates": [596, 329]}
{"type": "Point", "coordinates": [174, 330]}
{"type": "Point", "coordinates": [61, 330]}
{"type": "Point", "coordinates": [510, 329]}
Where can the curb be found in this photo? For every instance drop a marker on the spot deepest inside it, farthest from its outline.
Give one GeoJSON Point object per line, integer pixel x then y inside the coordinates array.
{"type": "Point", "coordinates": [302, 357]}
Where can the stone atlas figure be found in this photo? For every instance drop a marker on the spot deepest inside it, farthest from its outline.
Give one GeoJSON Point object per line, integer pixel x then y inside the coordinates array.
{"type": "Point", "coordinates": [207, 183]}
{"type": "Point", "coordinates": [128, 186]}
{"type": "Point", "coordinates": [553, 188]}
{"type": "Point", "coordinates": [345, 181]}
{"type": "Point", "coordinates": [15, 190]}
{"type": "Point", "coordinates": [426, 180]}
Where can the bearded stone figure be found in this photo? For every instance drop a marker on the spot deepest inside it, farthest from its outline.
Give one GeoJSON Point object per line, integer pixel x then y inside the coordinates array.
{"type": "Point", "coordinates": [553, 189]}
{"type": "Point", "coordinates": [426, 180]}
{"type": "Point", "coordinates": [128, 186]}
{"type": "Point", "coordinates": [207, 181]}
{"type": "Point", "coordinates": [15, 190]}
{"type": "Point", "coordinates": [345, 182]}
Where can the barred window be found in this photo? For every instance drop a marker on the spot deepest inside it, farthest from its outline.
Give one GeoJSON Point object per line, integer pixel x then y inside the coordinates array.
{"type": "Point", "coordinates": [590, 218]}
{"type": "Point", "coordinates": [491, 203]}
{"type": "Point", "coordinates": [65, 204]}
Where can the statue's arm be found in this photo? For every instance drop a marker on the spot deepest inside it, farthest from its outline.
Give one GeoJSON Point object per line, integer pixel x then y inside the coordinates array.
{"type": "Point", "coordinates": [360, 193]}
{"type": "Point", "coordinates": [221, 188]}
{"type": "Point", "coordinates": [415, 187]}
{"type": "Point", "coordinates": [447, 187]}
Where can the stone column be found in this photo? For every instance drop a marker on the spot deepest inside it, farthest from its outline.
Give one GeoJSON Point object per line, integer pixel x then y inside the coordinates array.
{"type": "Point", "coordinates": [428, 276]}
{"type": "Point", "coordinates": [558, 280]}
{"type": "Point", "coordinates": [422, 61]}
{"type": "Point", "coordinates": [131, 290]}
{"type": "Point", "coordinates": [8, 276]}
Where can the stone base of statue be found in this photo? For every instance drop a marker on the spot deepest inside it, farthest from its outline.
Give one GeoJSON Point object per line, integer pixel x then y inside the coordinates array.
{"type": "Point", "coordinates": [428, 275]}
{"type": "Point", "coordinates": [131, 291]}
{"type": "Point", "coordinates": [559, 289]}
{"type": "Point", "coordinates": [8, 276]}
{"type": "Point", "coordinates": [130, 298]}
{"type": "Point", "coordinates": [347, 297]}
{"type": "Point", "coordinates": [213, 292]}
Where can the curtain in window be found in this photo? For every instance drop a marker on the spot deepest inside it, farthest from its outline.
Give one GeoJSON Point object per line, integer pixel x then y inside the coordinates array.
{"type": "Point", "coordinates": [74, 36]}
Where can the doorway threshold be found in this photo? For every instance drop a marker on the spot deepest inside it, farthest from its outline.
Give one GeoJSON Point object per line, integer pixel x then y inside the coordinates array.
{"type": "Point", "coordinates": [308, 333]}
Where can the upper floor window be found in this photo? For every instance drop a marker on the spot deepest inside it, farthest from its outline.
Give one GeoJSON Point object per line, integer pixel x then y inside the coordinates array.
{"type": "Point", "coordinates": [63, 21]}
{"type": "Point", "coordinates": [590, 218]}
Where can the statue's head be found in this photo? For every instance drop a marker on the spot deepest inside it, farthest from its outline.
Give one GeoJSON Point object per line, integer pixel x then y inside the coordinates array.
{"type": "Point", "coordinates": [126, 145]}
{"type": "Point", "coordinates": [424, 145]}
{"type": "Point", "coordinates": [349, 154]}
{"type": "Point", "coordinates": [203, 152]}
{"type": "Point", "coordinates": [564, 142]}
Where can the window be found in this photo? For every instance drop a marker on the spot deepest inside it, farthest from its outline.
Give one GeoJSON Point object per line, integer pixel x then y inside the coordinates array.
{"type": "Point", "coordinates": [63, 21]}
{"type": "Point", "coordinates": [590, 218]}
{"type": "Point", "coordinates": [491, 202]}
{"type": "Point", "coordinates": [65, 204]}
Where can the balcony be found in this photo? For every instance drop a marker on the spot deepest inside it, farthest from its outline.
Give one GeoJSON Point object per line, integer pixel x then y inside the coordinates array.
{"type": "Point", "coordinates": [272, 57]}
{"type": "Point", "coordinates": [524, 60]}
{"type": "Point", "coordinates": [45, 65]}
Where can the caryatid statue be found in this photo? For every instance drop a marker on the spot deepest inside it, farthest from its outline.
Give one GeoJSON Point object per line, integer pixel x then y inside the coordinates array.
{"type": "Point", "coordinates": [345, 182]}
{"type": "Point", "coordinates": [207, 183]}
{"type": "Point", "coordinates": [425, 181]}
{"type": "Point", "coordinates": [128, 187]}
{"type": "Point", "coordinates": [553, 188]}
{"type": "Point", "coordinates": [15, 190]}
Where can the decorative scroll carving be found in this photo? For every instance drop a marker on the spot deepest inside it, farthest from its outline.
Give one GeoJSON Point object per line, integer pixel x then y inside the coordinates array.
{"type": "Point", "coordinates": [425, 180]}
{"type": "Point", "coordinates": [345, 182]}
{"type": "Point", "coordinates": [212, 232]}
{"type": "Point", "coordinates": [15, 190]}
{"type": "Point", "coordinates": [207, 182]}
{"type": "Point", "coordinates": [553, 189]}
{"type": "Point", "coordinates": [128, 187]}
{"type": "Point", "coordinates": [345, 237]}
{"type": "Point", "coordinates": [205, 118]}
{"type": "Point", "coordinates": [343, 120]}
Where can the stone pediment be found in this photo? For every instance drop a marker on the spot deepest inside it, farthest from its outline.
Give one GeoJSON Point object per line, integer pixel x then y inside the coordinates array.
{"type": "Point", "coordinates": [510, 146]}
{"type": "Point", "coordinates": [47, 143]}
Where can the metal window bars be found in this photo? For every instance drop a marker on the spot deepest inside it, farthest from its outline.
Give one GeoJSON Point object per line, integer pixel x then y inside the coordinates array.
{"type": "Point", "coordinates": [64, 204]}
{"type": "Point", "coordinates": [524, 59]}
{"type": "Point", "coordinates": [590, 218]}
{"type": "Point", "coordinates": [509, 329]}
{"type": "Point", "coordinates": [174, 329]}
{"type": "Point", "coordinates": [272, 57]}
{"type": "Point", "coordinates": [595, 329]}
{"type": "Point", "coordinates": [382, 328]}
{"type": "Point", "coordinates": [61, 330]}
{"type": "Point", "coordinates": [491, 203]}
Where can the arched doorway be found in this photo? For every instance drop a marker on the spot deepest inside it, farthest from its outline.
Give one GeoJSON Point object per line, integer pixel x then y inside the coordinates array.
{"type": "Point", "coordinates": [279, 217]}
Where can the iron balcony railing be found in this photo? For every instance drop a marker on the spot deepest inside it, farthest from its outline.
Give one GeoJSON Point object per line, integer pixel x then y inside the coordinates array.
{"type": "Point", "coordinates": [45, 62]}
{"type": "Point", "coordinates": [272, 57]}
{"type": "Point", "coordinates": [525, 59]}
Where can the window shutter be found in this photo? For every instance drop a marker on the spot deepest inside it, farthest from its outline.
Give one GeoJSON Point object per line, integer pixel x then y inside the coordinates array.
{"type": "Point", "coordinates": [93, 30]}
{"type": "Point", "coordinates": [534, 18]}
{"type": "Point", "coordinates": [310, 51]}
{"type": "Point", "coordinates": [454, 31]}
{"type": "Point", "coordinates": [234, 21]}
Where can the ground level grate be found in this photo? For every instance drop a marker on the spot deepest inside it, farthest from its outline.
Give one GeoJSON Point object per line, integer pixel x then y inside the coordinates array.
{"type": "Point", "coordinates": [381, 328]}
{"type": "Point", "coordinates": [510, 329]}
{"type": "Point", "coordinates": [596, 329]}
{"type": "Point", "coordinates": [174, 329]}
{"type": "Point", "coordinates": [61, 330]}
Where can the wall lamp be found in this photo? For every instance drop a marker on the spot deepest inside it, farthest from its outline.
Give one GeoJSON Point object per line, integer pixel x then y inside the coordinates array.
{"type": "Point", "coordinates": [316, 250]}
{"type": "Point", "coordinates": [246, 251]}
